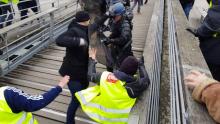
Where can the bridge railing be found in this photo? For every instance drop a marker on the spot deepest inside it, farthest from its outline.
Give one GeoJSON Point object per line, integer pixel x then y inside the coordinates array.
{"type": "Point", "coordinates": [20, 42]}
{"type": "Point", "coordinates": [146, 110]}
{"type": "Point", "coordinates": [185, 55]}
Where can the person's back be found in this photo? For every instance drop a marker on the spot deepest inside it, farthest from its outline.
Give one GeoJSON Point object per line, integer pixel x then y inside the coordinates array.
{"type": "Point", "coordinates": [112, 100]}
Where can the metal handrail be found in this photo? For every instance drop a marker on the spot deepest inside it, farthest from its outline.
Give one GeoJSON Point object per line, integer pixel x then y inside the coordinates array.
{"type": "Point", "coordinates": [154, 73]}
{"type": "Point", "coordinates": [46, 30]}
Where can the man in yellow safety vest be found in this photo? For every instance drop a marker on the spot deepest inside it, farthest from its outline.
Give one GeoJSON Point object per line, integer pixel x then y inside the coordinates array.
{"type": "Point", "coordinates": [111, 100]}
{"type": "Point", "coordinates": [16, 106]}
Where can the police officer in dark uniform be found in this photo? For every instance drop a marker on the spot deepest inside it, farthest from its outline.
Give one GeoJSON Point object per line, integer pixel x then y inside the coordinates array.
{"type": "Point", "coordinates": [121, 37]}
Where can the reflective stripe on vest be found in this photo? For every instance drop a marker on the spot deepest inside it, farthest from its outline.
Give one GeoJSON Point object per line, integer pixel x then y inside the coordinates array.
{"type": "Point", "coordinates": [102, 107]}
{"type": "Point", "coordinates": [125, 120]}
{"type": "Point", "coordinates": [22, 118]}
{"type": "Point", "coordinates": [8, 117]}
{"type": "Point", "coordinates": [106, 103]}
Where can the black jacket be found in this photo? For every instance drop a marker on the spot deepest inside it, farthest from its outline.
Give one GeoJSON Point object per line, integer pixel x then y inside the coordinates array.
{"type": "Point", "coordinates": [210, 45]}
{"type": "Point", "coordinates": [121, 35]}
{"type": "Point", "coordinates": [75, 62]}
{"type": "Point", "coordinates": [134, 86]}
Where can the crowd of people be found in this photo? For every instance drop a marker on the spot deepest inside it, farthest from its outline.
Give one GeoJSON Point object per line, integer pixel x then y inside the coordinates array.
{"type": "Point", "coordinates": [125, 78]}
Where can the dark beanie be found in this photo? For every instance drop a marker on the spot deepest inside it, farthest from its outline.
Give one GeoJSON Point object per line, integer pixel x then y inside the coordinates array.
{"type": "Point", "coordinates": [129, 65]}
{"type": "Point", "coordinates": [82, 16]}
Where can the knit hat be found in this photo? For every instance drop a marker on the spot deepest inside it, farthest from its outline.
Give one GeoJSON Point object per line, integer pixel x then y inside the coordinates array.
{"type": "Point", "coordinates": [82, 16]}
{"type": "Point", "coordinates": [129, 65]}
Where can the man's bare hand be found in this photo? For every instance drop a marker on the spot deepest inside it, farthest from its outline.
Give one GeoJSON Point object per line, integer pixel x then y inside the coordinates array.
{"type": "Point", "coordinates": [64, 81]}
{"type": "Point", "coordinates": [92, 53]}
{"type": "Point", "coordinates": [194, 79]}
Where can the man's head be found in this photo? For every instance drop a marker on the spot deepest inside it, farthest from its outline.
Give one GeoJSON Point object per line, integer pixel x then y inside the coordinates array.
{"type": "Point", "coordinates": [129, 65]}
{"type": "Point", "coordinates": [83, 18]}
{"type": "Point", "coordinates": [117, 10]}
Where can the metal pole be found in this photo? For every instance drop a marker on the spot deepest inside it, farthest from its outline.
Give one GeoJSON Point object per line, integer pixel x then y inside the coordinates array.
{"type": "Point", "coordinates": [51, 26]}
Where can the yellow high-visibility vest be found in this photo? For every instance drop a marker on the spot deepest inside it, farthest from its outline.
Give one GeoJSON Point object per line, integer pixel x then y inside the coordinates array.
{"type": "Point", "coordinates": [8, 117]}
{"type": "Point", "coordinates": [7, 1]}
{"type": "Point", "coordinates": [210, 4]}
{"type": "Point", "coordinates": [106, 103]}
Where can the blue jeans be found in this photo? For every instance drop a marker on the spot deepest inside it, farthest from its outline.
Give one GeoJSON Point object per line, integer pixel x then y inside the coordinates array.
{"type": "Point", "coordinates": [3, 14]}
{"type": "Point", "coordinates": [74, 86]}
{"type": "Point", "coordinates": [187, 8]}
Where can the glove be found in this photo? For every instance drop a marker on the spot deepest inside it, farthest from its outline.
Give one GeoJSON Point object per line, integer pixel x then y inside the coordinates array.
{"type": "Point", "coordinates": [192, 30]}
{"type": "Point", "coordinates": [83, 42]}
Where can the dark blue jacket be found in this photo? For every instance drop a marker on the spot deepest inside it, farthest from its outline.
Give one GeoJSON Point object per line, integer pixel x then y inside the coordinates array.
{"type": "Point", "coordinates": [210, 45]}
{"type": "Point", "coordinates": [19, 101]}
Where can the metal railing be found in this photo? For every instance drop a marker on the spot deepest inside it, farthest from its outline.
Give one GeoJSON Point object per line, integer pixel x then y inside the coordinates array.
{"type": "Point", "coordinates": [16, 12]}
{"type": "Point", "coordinates": [154, 73]}
{"type": "Point", "coordinates": [178, 107]}
{"type": "Point", "coordinates": [37, 32]}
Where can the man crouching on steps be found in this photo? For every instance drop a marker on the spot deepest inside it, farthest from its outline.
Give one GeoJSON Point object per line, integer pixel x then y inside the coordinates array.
{"type": "Point", "coordinates": [114, 96]}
